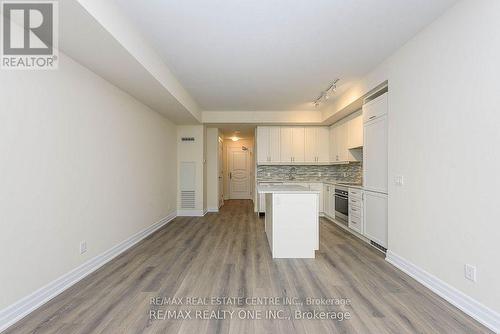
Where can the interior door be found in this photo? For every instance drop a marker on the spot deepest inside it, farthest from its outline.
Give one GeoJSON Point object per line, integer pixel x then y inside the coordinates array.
{"type": "Point", "coordinates": [220, 173]}
{"type": "Point", "coordinates": [239, 173]}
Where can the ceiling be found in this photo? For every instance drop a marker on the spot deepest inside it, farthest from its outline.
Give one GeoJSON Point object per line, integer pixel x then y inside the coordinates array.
{"type": "Point", "coordinates": [275, 55]}
{"type": "Point", "coordinates": [242, 131]}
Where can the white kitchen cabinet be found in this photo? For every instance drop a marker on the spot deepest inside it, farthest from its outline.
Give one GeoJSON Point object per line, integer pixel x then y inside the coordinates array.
{"type": "Point", "coordinates": [332, 202]}
{"type": "Point", "coordinates": [286, 148]}
{"type": "Point", "coordinates": [268, 145]}
{"type": "Point", "coordinates": [355, 131]}
{"type": "Point", "coordinates": [292, 145]}
{"type": "Point", "coordinates": [318, 187]}
{"type": "Point", "coordinates": [356, 221]}
{"type": "Point", "coordinates": [326, 198]}
{"type": "Point", "coordinates": [316, 145]}
{"type": "Point", "coordinates": [310, 143]}
{"type": "Point", "coordinates": [375, 145]}
{"type": "Point", "coordinates": [298, 144]}
{"type": "Point", "coordinates": [262, 145]}
{"type": "Point", "coordinates": [375, 217]}
{"type": "Point", "coordinates": [274, 144]}
{"type": "Point", "coordinates": [338, 143]}
{"type": "Point", "coordinates": [323, 146]}
{"type": "Point", "coordinates": [375, 108]}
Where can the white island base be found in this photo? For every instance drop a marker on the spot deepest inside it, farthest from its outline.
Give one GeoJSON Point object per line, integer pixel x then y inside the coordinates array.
{"type": "Point", "coordinates": [292, 221]}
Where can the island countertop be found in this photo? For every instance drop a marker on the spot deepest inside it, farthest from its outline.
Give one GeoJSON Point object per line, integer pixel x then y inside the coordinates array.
{"type": "Point", "coordinates": [285, 189]}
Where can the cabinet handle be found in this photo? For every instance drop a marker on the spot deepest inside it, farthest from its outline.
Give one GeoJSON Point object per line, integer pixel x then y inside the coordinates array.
{"type": "Point", "coordinates": [372, 117]}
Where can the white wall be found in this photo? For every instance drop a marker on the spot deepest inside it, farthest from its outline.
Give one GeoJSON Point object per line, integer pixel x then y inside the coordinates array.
{"type": "Point", "coordinates": [443, 137]}
{"type": "Point", "coordinates": [80, 160]}
{"type": "Point", "coordinates": [193, 152]}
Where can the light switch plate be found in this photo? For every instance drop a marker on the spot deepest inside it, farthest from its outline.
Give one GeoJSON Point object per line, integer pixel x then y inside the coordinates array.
{"type": "Point", "coordinates": [399, 180]}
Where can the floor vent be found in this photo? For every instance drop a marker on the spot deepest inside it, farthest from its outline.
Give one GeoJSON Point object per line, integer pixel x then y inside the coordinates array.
{"type": "Point", "coordinates": [379, 247]}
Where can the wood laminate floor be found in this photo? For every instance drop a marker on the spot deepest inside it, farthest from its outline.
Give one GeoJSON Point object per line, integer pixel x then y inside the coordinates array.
{"type": "Point", "coordinates": [226, 254]}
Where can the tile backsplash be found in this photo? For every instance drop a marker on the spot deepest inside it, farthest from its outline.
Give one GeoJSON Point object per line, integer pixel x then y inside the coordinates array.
{"type": "Point", "coordinates": [352, 172]}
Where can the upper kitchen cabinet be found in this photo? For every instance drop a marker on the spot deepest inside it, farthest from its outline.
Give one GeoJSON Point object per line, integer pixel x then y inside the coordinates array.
{"type": "Point", "coordinates": [375, 144]}
{"type": "Point", "coordinates": [317, 145]}
{"type": "Point", "coordinates": [268, 145]}
{"type": "Point", "coordinates": [375, 108]}
{"type": "Point", "coordinates": [339, 140]}
{"type": "Point", "coordinates": [355, 131]}
{"type": "Point", "coordinates": [292, 141]}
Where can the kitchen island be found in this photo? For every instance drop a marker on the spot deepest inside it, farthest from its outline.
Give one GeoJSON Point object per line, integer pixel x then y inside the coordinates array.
{"type": "Point", "coordinates": [292, 220]}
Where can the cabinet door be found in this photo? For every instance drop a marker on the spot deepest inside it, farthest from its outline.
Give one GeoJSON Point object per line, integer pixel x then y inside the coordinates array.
{"type": "Point", "coordinates": [355, 132]}
{"type": "Point", "coordinates": [342, 142]}
{"type": "Point", "coordinates": [263, 145]}
{"type": "Point", "coordinates": [310, 144]}
{"type": "Point", "coordinates": [298, 144]}
{"type": "Point", "coordinates": [332, 202]}
{"type": "Point", "coordinates": [286, 147]}
{"type": "Point", "coordinates": [318, 187]}
{"type": "Point", "coordinates": [274, 144]}
{"type": "Point", "coordinates": [375, 155]}
{"type": "Point", "coordinates": [334, 153]}
{"type": "Point", "coordinates": [375, 108]}
{"type": "Point", "coordinates": [323, 145]}
{"type": "Point", "coordinates": [375, 217]}
{"type": "Point", "coordinates": [326, 199]}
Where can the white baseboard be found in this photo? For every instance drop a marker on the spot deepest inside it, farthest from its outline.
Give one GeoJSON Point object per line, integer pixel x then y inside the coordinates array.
{"type": "Point", "coordinates": [213, 210]}
{"type": "Point", "coordinates": [28, 304]}
{"type": "Point", "coordinates": [468, 305]}
{"type": "Point", "coordinates": [190, 213]}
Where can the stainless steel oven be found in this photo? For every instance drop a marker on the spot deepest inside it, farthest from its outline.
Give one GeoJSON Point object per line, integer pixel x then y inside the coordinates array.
{"type": "Point", "coordinates": [341, 203]}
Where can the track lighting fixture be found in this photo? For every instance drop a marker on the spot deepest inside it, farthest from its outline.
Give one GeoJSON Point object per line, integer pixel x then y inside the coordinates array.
{"type": "Point", "coordinates": [327, 93]}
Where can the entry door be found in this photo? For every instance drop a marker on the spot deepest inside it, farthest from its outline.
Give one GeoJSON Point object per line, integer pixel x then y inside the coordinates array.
{"type": "Point", "coordinates": [239, 173]}
{"type": "Point", "coordinates": [220, 174]}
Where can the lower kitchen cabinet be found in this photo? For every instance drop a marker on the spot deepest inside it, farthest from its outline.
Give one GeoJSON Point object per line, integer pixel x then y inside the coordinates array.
{"type": "Point", "coordinates": [326, 198]}
{"type": "Point", "coordinates": [375, 217]}
{"type": "Point", "coordinates": [318, 187]}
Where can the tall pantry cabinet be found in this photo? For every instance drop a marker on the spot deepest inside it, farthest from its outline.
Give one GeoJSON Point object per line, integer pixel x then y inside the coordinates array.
{"type": "Point", "coordinates": [375, 168]}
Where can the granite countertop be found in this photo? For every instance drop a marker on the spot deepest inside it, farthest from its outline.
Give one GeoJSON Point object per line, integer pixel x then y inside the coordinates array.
{"type": "Point", "coordinates": [327, 181]}
{"type": "Point", "coordinates": [284, 189]}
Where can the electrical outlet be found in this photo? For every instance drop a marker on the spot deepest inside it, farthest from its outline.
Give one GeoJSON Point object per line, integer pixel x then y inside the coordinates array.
{"type": "Point", "coordinates": [470, 272]}
{"type": "Point", "coordinates": [83, 247]}
{"type": "Point", "coordinates": [319, 174]}
{"type": "Point", "coordinates": [268, 174]}
{"type": "Point", "coordinates": [399, 180]}
{"type": "Point", "coordinates": [345, 174]}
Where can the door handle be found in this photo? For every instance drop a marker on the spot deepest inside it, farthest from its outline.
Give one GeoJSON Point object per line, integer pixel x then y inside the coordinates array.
{"type": "Point", "coordinates": [230, 175]}
{"type": "Point", "coordinates": [372, 117]}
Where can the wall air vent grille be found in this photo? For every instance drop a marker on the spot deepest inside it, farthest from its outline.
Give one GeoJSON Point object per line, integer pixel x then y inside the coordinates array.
{"type": "Point", "coordinates": [187, 139]}
{"type": "Point", "coordinates": [187, 185]}
{"type": "Point", "coordinates": [187, 199]}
